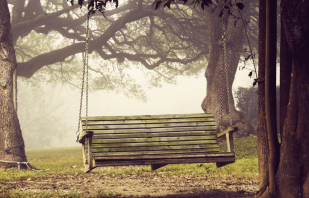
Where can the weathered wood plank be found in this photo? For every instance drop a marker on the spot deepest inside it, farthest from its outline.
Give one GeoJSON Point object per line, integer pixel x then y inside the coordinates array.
{"type": "Point", "coordinates": [165, 161]}
{"type": "Point", "coordinates": [143, 126]}
{"type": "Point", "coordinates": [153, 143]}
{"type": "Point", "coordinates": [155, 130]}
{"type": "Point", "coordinates": [85, 134]}
{"type": "Point", "coordinates": [130, 153]}
{"type": "Point", "coordinates": [156, 139]}
{"type": "Point", "coordinates": [159, 121]}
{"type": "Point", "coordinates": [228, 130]}
{"type": "Point", "coordinates": [149, 135]}
{"type": "Point", "coordinates": [149, 117]}
{"type": "Point", "coordinates": [171, 156]}
{"type": "Point", "coordinates": [153, 148]}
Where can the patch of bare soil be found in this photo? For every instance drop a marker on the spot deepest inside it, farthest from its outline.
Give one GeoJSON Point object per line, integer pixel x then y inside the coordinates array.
{"type": "Point", "coordinates": [147, 184]}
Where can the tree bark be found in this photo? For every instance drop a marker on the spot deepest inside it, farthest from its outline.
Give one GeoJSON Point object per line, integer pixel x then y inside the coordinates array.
{"type": "Point", "coordinates": [292, 175]}
{"type": "Point", "coordinates": [10, 133]}
{"type": "Point", "coordinates": [234, 44]}
{"type": "Point", "coordinates": [261, 126]}
{"type": "Point", "coordinates": [270, 93]}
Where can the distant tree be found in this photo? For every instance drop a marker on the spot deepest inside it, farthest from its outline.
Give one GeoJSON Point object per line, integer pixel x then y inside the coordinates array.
{"type": "Point", "coordinates": [247, 102]}
{"type": "Point", "coordinates": [40, 112]}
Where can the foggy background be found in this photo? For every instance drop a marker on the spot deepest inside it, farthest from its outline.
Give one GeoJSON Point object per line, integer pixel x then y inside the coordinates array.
{"type": "Point", "coordinates": [48, 102]}
{"type": "Point", "coordinates": [54, 110]}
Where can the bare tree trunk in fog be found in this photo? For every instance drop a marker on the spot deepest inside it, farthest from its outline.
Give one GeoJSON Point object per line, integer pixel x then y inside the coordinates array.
{"type": "Point", "coordinates": [234, 44]}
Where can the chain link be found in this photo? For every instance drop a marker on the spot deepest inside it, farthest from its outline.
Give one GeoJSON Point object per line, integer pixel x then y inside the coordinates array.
{"type": "Point", "coordinates": [224, 70]}
{"type": "Point", "coordinates": [85, 60]}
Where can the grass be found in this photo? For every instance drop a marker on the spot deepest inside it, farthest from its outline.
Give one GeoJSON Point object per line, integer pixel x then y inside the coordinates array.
{"type": "Point", "coordinates": [69, 161]}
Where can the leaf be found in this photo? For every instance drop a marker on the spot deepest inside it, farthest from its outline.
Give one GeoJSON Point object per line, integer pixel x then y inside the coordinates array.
{"type": "Point", "coordinates": [240, 5]}
{"type": "Point", "coordinates": [209, 2]}
{"type": "Point", "coordinates": [202, 5]}
{"type": "Point", "coordinates": [254, 83]}
{"type": "Point", "coordinates": [116, 2]}
{"type": "Point", "coordinates": [72, 2]}
{"type": "Point", "coordinates": [250, 74]}
{"type": "Point", "coordinates": [168, 4]}
{"type": "Point", "coordinates": [247, 58]}
{"type": "Point", "coordinates": [90, 5]}
{"type": "Point", "coordinates": [158, 4]}
{"type": "Point", "coordinates": [205, 2]}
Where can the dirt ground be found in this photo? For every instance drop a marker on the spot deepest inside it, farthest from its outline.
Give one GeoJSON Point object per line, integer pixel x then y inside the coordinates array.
{"type": "Point", "coordinates": [147, 184]}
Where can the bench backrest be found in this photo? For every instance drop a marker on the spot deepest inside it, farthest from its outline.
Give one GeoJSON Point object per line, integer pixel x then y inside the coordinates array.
{"type": "Point", "coordinates": [152, 134]}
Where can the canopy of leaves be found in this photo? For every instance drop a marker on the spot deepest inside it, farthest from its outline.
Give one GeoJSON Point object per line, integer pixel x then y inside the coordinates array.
{"type": "Point", "coordinates": [49, 40]}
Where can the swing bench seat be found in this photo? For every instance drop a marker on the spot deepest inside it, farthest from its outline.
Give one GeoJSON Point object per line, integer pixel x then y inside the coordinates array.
{"type": "Point", "coordinates": [155, 140]}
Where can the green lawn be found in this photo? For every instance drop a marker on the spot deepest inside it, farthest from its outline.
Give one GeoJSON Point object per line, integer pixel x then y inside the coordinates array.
{"type": "Point", "coordinates": [69, 160]}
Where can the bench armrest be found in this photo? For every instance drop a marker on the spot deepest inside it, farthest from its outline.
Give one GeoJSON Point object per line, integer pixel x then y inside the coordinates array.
{"type": "Point", "coordinates": [84, 135]}
{"type": "Point", "coordinates": [229, 138]}
{"type": "Point", "coordinates": [228, 130]}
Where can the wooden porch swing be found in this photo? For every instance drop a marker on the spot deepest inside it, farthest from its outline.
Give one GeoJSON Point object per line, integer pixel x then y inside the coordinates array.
{"type": "Point", "coordinates": [155, 140]}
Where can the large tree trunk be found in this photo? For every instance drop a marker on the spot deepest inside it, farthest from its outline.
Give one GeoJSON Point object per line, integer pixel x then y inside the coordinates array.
{"type": "Point", "coordinates": [234, 43]}
{"type": "Point", "coordinates": [10, 133]}
{"type": "Point", "coordinates": [261, 126]}
{"type": "Point", "coordinates": [292, 177]}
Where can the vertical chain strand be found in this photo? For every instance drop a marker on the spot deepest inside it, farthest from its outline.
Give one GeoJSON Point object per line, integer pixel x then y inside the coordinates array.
{"type": "Point", "coordinates": [222, 66]}
{"type": "Point", "coordinates": [224, 69]}
{"type": "Point", "coordinates": [85, 61]}
{"type": "Point", "coordinates": [87, 67]}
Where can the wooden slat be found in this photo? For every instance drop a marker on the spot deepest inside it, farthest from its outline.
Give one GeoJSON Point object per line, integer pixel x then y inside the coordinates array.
{"type": "Point", "coordinates": [136, 126]}
{"type": "Point", "coordinates": [158, 139]}
{"type": "Point", "coordinates": [153, 143]}
{"type": "Point", "coordinates": [228, 130]}
{"type": "Point", "coordinates": [166, 161]}
{"type": "Point", "coordinates": [154, 130]}
{"type": "Point", "coordinates": [149, 117]}
{"type": "Point", "coordinates": [149, 135]}
{"type": "Point", "coordinates": [175, 156]}
{"type": "Point", "coordinates": [153, 148]}
{"type": "Point", "coordinates": [158, 121]}
{"type": "Point", "coordinates": [184, 151]}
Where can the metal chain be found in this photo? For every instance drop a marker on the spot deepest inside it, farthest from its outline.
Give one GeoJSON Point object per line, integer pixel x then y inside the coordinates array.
{"type": "Point", "coordinates": [226, 72]}
{"type": "Point", "coordinates": [87, 71]}
{"type": "Point", "coordinates": [86, 150]}
{"type": "Point", "coordinates": [224, 69]}
{"type": "Point", "coordinates": [85, 60]}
